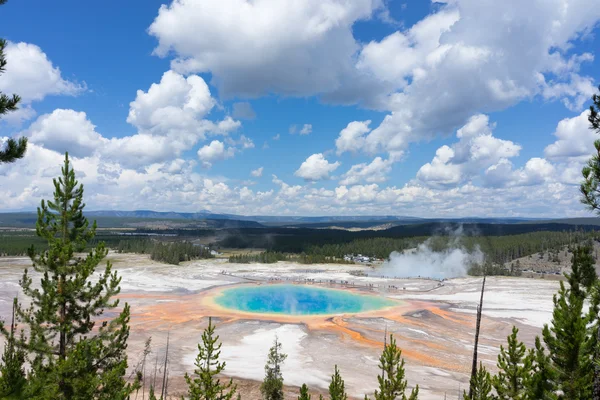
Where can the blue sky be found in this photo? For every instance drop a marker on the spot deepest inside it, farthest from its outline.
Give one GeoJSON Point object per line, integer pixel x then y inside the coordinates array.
{"type": "Point", "coordinates": [465, 100]}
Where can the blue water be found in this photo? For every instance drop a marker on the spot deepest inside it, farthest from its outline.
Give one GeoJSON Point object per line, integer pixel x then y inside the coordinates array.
{"type": "Point", "coordinates": [298, 300]}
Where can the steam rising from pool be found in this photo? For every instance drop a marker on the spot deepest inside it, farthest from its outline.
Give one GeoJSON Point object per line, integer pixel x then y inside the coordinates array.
{"type": "Point", "coordinates": [424, 262]}
{"type": "Point", "coordinates": [298, 300]}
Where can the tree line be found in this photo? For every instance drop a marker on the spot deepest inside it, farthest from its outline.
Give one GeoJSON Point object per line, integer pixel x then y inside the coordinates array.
{"type": "Point", "coordinates": [167, 252]}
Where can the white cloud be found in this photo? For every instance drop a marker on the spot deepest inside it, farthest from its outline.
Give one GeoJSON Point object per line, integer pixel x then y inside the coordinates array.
{"type": "Point", "coordinates": [66, 130]}
{"type": "Point", "coordinates": [277, 137]}
{"type": "Point", "coordinates": [462, 60]}
{"type": "Point", "coordinates": [257, 173]}
{"type": "Point", "coordinates": [376, 171]}
{"type": "Point", "coordinates": [316, 168]}
{"type": "Point", "coordinates": [175, 185]}
{"type": "Point", "coordinates": [536, 171]}
{"type": "Point", "coordinates": [174, 104]}
{"type": "Point", "coordinates": [575, 139]}
{"type": "Point", "coordinates": [170, 118]}
{"type": "Point", "coordinates": [30, 74]}
{"type": "Point", "coordinates": [401, 55]}
{"type": "Point", "coordinates": [215, 151]}
{"type": "Point", "coordinates": [476, 150]}
{"type": "Point", "coordinates": [264, 46]}
{"type": "Point", "coordinates": [352, 137]}
{"type": "Point", "coordinates": [306, 129]}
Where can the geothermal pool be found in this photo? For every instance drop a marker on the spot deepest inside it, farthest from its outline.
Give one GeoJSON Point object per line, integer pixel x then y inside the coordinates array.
{"type": "Point", "coordinates": [299, 300]}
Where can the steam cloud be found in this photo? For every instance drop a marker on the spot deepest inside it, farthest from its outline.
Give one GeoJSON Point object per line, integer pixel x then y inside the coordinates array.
{"type": "Point", "coordinates": [453, 262]}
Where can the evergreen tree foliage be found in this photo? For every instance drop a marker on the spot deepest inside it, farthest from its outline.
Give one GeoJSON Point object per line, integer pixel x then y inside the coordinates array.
{"type": "Point", "coordinates": [272, 386]}
{"type": "Point", "coordinates": [12, 374]}
{"type": "Point", "coordinates": [590, 187]}
{"type": "Point", "coordinates": [594, 116]}
{"type": "Point", "coordinates": [13, 149]}
{"type": "Point", "coordinates": [204, 384]}
{"type": "Point", "coordinates": [304, 395]}
{"type": "Point", "coordinates": [392, 384]}
{"type": "Point", "coordinates": [540, 383]}
{"type": "Point", "coordinates": [568, 338]}
{"type": "Point", "coordinates": [514, 367]}
{"type": "Point", "coordinates": [590, 191]}
{"type": "Point", "coordinates": [583, 266]}
{"type": "Point", "coordinates": [71, 356]}
{"type": "Point", "coordinates": [337, 388]}
{"type": "Point", "coordinates": [151, 395]}
{"type": "Point", "coordinates": [482, 387]}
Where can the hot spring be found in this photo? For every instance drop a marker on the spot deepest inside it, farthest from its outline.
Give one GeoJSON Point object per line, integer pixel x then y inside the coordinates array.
{"type": "Point", "coordinates": [298, 300]}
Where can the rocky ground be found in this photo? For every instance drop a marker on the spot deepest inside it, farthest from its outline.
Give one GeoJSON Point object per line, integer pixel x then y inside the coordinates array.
{"type": "Point", "coordinates": [434, 325]}
{"type": "Point", "coordinates": [549, 264]}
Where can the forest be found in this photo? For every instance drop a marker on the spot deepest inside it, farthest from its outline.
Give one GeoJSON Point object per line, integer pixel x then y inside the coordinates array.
{"type": "Point", "coordinates": [310, 246]}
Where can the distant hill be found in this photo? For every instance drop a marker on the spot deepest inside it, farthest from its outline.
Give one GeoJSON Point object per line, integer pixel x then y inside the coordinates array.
{"type": "Point", "coordinates": [268, 219]}
{"type": "Point", "coordinates": [133, 220]}
{"type": "Point", "coordinates": [208, 220]}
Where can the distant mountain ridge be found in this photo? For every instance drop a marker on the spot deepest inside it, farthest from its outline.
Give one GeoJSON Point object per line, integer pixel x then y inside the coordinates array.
{"type": "Point", "coordinates": [215, 220]}
{"type": "Point", "coordinates": [257, 218]}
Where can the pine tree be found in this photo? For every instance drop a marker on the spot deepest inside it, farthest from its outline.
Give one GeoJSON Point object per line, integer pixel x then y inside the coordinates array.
{"type": "Point", "coordinates": [204, 385]}
{"type": "Point", "coordinates": [582, 265]}
{"type": "Point", "coordinates": [481, 387]}
{"type": "Point", "coordinates": [568, 338]}
{"type": "Point", "coordinates": [72, 357]}
{"type": "Point", "coordinates": [590, 191]}
{"type": "Point", "coordinates": [12, 374]}
{"type": "Point", "coordinates": [304, 395]}
{"type": "Point", "coordinates": [272, 386]}
{"type": "Point", "coordinates": [14, 149]}
{"type": "Point", "coordinates": [391, 382]}
{"type": "Point", "coordinates": [591, 172]}
{"type": "Point", "coordinates": [540, 383]}
{"type": "Point", "coordinates": [594, 116]}
{"type": "Point", "coordinates": [337, 389]}
{"type": "Point", "coordinates": [514, 366]}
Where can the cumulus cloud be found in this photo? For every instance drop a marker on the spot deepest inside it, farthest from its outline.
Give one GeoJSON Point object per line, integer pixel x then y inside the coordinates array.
{"type": "Point", "coordinates": [66, 130]}
{"type": "Point", "coordinates": [170, 118]}
{"type": "Point", "coordinates": [214, 151]}
{"type": "Point", "coordinates": [257, 173]}
{"type": "Point", "coordinates": [254, 48]}
{"type": "Point", "coordinates": [536, 171]}
{"type": "Point", "coordinates": [376, 171]}
{"type": "Point", "coordinates": [462, 60]}
{"type": "Point", "coordinates": [316, 168]}
{"type": "Point", "coordinates": [174, 104]}
{"type": "Point", "coordinates": [352, 137]}
{"type": "Point", "coordinates": [30, 74]}
{"type": "Point", "coordinates": [575, 139]}
{"type": "Point", "coordinates": [476, 150]}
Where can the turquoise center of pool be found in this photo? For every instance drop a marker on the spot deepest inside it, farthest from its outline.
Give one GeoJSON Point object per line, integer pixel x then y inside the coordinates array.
{"type": "Point", "coordinates": [298, 300]}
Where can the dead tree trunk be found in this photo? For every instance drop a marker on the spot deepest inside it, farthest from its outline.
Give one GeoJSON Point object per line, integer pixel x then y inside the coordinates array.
{"type": "Point", "coordinates": [477, 326]}
{"type": "Point", "coordinates": [164, 383]}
